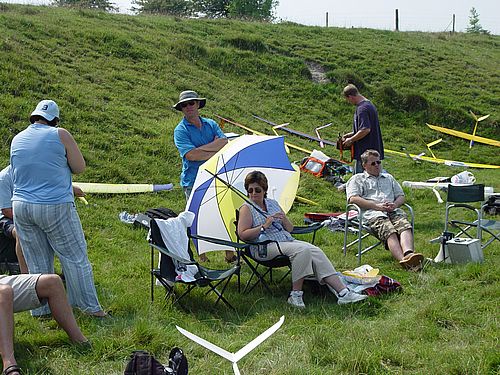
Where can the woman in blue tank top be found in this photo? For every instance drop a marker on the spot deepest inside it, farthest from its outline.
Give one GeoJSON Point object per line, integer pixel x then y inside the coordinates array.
{"type": "Point", "coordinates": [43, 158]}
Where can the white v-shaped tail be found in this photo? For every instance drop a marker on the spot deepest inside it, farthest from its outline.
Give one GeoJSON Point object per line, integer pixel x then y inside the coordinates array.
{"type": "Point", "coordinates": [234, 357]}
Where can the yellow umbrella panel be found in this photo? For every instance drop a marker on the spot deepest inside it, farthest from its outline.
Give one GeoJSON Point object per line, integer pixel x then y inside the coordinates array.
{"type": "Point", "coordinates": [219, 186]}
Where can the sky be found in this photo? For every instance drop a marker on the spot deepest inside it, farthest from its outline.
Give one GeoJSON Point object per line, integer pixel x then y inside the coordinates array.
{"type": "Point", "coordinates": [414, 15]}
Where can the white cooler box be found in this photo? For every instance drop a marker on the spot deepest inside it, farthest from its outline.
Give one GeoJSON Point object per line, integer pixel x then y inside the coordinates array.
{"type": "Point", "coordinates": [464, 250]}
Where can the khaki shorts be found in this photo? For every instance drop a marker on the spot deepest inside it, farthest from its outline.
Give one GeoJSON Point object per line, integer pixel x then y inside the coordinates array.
{"type": "Point", "coordinates": [24, 288]}
{"type": "Point", "coordinates": [383, 227]}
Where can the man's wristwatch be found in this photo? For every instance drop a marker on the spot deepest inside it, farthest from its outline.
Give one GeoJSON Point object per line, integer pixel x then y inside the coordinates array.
{"type": "Point", "coordinates": [262, 229]}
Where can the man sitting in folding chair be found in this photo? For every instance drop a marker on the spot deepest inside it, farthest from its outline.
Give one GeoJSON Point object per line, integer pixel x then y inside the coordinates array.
{"type": "Point", "coordinates": [379, 195]}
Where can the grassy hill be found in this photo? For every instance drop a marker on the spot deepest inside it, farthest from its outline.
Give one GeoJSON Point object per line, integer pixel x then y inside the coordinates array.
{"type": "Point", "coordinates": [115, 78]}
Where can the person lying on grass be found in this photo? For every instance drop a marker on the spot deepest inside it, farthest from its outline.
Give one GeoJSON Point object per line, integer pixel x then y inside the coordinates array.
{"type": "Point", "coordinates": [264, 216]}
{"type": "Point", "coordinates": [25, 292]}
{"type": "Point", "coordinates": [379, 195]}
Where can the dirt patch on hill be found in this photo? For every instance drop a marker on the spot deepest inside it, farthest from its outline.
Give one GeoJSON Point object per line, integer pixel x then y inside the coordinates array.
{"type": "Point", "coordinates": [318, 73]}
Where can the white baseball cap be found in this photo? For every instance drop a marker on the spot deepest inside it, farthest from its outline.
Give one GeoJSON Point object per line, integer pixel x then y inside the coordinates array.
{"type": "Point", "coordinates": [47, 109]}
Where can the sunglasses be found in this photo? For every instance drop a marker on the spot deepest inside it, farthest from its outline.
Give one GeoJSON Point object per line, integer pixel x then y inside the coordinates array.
{"type": "Point", "coordinates": [377, 162]}
{"type": "Point", "coordinates": [257, 190]}
{"type": "Point", "coordinates": [189, 103]}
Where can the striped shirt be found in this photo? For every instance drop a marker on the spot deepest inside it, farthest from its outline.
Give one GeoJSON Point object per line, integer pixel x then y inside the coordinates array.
{"type": "Point", "coordinates": [275, 232]}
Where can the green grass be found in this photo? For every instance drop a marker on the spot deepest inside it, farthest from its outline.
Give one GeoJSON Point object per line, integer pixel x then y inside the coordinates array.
{"type": "Point", "coordinates": [115, 78]}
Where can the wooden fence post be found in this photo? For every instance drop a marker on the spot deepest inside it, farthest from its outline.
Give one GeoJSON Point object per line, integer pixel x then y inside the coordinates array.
{"type": "Point", "coordinates": [397, 20]}
{"type": "Point", "coordinates": [326, 19]}
{"type": "Point", "coordinates": [453, 29]}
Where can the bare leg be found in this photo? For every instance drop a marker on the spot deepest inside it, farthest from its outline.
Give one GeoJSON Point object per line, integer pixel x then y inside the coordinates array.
{"type": "Point", "coordinates": [395, 247]}
{"type": "Point", "coordinates": [7, 326]}
{"type": "Point", "coordinates": [335, 282]}
{"type": "Point", "coordinates": [297, 285]}
{"type": "Point", "coordinates": [407, 240]}
{"type": "Point", "coordinates": [19, 253]}
{"type": "Point", "coordinates": [51, 288]}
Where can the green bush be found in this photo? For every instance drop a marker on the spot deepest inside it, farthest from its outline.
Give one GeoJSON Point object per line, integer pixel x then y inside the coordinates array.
{"type": "Point", "coordinates": [415, 102]}
{"type": "Point", "coordinates": [246, 43]}
{"type": "Point", "coordinates": [343, 77]}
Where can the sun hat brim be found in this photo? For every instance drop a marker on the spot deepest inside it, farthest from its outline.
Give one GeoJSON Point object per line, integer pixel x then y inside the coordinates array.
{"type": "Point", "coordinates": [187, 96]}
{"type": "Point", "coordinates": [202, 102]}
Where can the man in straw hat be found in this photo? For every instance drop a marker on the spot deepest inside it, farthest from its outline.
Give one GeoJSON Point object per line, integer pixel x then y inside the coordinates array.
{"type": "Point", "coordinates": [197, 139]}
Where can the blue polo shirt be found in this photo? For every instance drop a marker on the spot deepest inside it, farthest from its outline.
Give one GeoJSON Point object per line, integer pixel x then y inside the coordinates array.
{"type": "Point", "coordinates": [188, 137]}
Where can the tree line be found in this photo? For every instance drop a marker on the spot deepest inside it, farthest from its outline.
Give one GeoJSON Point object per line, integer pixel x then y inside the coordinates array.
{"type": "Point", "coordinates": [262, 10]}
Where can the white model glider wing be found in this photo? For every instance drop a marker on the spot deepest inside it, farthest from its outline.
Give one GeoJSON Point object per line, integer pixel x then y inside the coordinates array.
{"type": "Point", "coordinates": [234, 357]}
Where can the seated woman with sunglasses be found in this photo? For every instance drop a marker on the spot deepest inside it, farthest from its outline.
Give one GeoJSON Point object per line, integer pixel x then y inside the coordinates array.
{"type": "Point", "coordinates": [265, 216]}
{"type": "Point", "coordinates": [380, 196]}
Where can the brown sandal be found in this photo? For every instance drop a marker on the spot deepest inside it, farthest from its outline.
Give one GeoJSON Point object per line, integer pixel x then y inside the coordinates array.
{"type": "Point", "coordinates": [412, 261]}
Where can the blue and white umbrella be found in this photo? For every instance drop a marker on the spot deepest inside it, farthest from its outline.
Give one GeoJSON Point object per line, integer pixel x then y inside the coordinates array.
{"type": "Point", "coordinates": [219, 186]}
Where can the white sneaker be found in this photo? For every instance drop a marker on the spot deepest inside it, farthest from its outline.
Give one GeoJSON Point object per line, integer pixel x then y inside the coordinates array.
{"type": "Point", "coordinates": [295, 299]}
{"type": "Point", "coordinates": [351, 297]}
{"type": "Point", "coordinates": [342, 187]}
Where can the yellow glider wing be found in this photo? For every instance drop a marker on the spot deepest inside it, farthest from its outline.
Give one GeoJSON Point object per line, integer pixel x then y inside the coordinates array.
{"type": "Point", "coordinates": [463, 135]}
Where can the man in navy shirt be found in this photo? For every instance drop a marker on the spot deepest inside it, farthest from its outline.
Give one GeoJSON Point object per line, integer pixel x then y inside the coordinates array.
{"type": "Point", "coordinates": [366, 132]}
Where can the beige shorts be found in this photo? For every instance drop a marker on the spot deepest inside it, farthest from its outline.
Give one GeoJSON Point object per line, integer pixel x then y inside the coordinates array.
{"type": "Point", "coordinates": [383, 227]}
{"type": "Point", "coordinates": [24, 287]}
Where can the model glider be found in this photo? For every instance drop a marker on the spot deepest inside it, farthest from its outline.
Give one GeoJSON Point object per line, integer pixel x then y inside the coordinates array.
{"type": "Point", "coordinates": [443, 186]}
{"type": "Point", "coordinates": [419, 157]}
{"type": "Point", "coordinates": [296, 132]}
{"type": "Point", "coordinates": [322, 142]}
{"type": "Point", "coordinates": [463, 135]}
{"type": "Point", "coordinates": [434, 186]}
{"type": "Point", "coordinates": [91, 187]}
{"type": "Point", "coordinates": [475, 126]}
{"type": "Point", "coordinates": [316, 130]}
{"type": "Point", "coordinates": [256, 132]}
{"type": "Point", "coordinates": [450, 163]}
{"type": "Point", "coordinates": [429, 145]}
{"type": "Point", "coordinates": [233, 357]}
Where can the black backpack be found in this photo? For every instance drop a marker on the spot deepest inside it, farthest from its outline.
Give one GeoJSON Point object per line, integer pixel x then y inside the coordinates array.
{"type": "Point", "coordinates": [142, 220]}
{"type": "Point", "coordinates": [160, 213]}
{"type": "Point", "coordinates": [143, 363]}
{"type": "Point", "coordinates": [8, 257]}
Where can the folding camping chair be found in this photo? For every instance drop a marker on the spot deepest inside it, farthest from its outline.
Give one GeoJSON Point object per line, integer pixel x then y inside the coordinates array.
{"type": "Point", "coordinates": [269, 264]}
{"type": "Point", "coordinates": [459, 197]}
{"type": "Point", "coordinates": [354, 223]}
{"type": "Point", "coordinates": [204, 277]}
